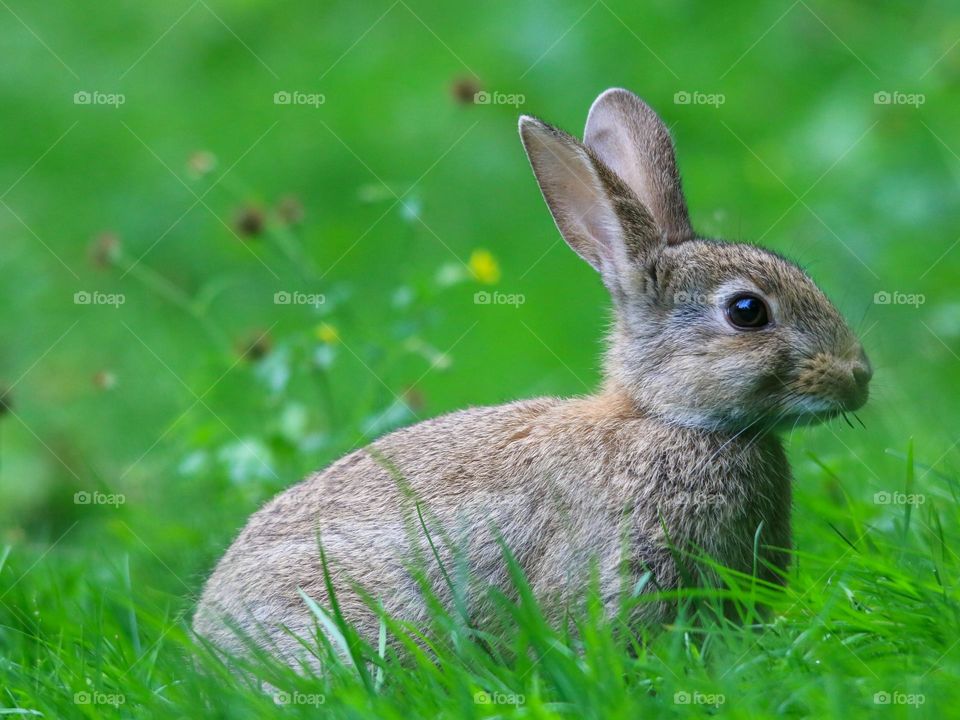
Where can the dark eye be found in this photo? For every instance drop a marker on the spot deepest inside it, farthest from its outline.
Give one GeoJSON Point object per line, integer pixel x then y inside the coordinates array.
{"type": "Point", "coordinates": [748, 312]}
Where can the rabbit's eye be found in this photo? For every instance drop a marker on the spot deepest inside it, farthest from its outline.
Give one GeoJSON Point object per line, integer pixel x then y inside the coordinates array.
{"type": "Point", "coordinates": [748, 312]}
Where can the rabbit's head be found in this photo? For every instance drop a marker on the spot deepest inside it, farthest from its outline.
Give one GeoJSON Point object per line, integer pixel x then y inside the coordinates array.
{"type": "Point", "coordinates": [707, 333]}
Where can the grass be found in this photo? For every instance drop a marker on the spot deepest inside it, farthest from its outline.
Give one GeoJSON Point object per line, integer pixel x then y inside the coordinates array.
{"type": "Point", "coordinates": [872, 617]}
{"type": "Point", "coordinates": [136, 438]}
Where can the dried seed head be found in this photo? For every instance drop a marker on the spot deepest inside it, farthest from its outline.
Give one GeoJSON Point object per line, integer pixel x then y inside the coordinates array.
{"type": "Point", "coordinates": [104, 250]}
{"type": "Point", "coordinates": [255, 346]}
{"type": "Point", "coordinates": [414, 399]}
{"type": "Point", "coordinates": [14, 535]}
{"type": "Point", "coordinates": [465, 89]}
{"type": "Point", "coordinates": [105, 380]}
{"type": "Point", "coordinates": [249, 222]}
{"type": "Point", "coordinates": [290, 210]}
{"type": "Point", "coordinates": [200, 163]}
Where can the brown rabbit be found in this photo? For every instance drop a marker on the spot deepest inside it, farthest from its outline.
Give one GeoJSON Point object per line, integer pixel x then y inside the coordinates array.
{"type": "Point", "coordinates": [715, 347]}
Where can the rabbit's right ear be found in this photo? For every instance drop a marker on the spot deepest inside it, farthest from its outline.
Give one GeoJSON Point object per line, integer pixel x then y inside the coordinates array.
{"type": "Point", "coordinates": [597, 214]}
{"type": "Point", "coordinates": [626, 134]}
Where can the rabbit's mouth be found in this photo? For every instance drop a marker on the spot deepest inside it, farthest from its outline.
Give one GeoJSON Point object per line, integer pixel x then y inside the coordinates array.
{"type": "Point", "coordinates": [802, 418]}
{"type": "Point", "coordinates": [813, 410]}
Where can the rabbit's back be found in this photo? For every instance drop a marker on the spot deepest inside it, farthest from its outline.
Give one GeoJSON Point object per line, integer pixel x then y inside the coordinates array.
{"type": "Point", "coordinates": [563, 483]}
{"type": "Point", "coordinates": [363, 509]}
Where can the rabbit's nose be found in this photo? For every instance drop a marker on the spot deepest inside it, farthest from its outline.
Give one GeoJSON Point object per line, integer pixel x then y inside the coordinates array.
{"type": "Point", "coordinates": [862, 374]}
{"type": "Point", "coordinates": [862, 371]}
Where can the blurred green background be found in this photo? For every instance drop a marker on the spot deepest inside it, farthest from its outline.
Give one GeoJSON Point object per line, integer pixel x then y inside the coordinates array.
{"type": "Point", "coordinates": [186, 188]}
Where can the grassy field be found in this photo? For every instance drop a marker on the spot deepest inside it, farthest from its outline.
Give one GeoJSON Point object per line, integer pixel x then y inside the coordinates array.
{"type": "Point", "coordinates": [180, 185]}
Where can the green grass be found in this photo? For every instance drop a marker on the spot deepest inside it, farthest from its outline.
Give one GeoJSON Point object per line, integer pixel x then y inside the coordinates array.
{"type": "Point", "coordinates": [874, 614]}
{"type": "Point", "coordinates": [159, 402]}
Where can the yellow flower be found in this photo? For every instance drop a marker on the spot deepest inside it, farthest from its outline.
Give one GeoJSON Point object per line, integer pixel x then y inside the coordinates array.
{"type": "Point", "coordinates": [484, 266]}
{"type": "Point", "coordinates": [326, 333]}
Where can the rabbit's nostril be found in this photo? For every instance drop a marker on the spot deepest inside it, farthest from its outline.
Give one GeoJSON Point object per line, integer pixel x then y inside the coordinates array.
{"type": "Point", "coordinates": [862, 374]}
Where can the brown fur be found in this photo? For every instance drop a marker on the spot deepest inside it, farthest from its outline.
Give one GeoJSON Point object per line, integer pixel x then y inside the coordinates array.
{"type": "Point", "coordinates": [678, 442]}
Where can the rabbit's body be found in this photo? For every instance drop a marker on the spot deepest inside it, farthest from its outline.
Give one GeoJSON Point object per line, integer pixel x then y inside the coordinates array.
{"type": "Point", "coordinates": [564, 483]}
{"type": "Point", "coordinates": [714, 348]}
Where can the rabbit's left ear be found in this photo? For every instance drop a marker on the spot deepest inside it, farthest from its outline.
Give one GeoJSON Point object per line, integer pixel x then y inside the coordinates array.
{"type": "Point", "coordinates": [597, 214]}
{"type": "Point", "coordinates": [628, 136]}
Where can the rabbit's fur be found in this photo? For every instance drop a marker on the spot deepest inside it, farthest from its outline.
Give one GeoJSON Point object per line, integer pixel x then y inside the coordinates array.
{"type": "Point", "coordinates": [678, 450]}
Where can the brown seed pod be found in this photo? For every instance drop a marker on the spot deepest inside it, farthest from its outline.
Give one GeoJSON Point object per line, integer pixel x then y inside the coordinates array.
{"type": "Point", "coordinates": [249, 222]}
{"type": "Point", "coordinates": [414, 399]}
{"type": "Point", "coordinates": [200, 163]}
{"type": "Point", "coordinates": [255, 345]}
{"type": "Point", "coordinates": [464, 89]}
{"type": "Point", "coordinates": [105, 380]}
{"type": "Point", "coordinates": [104, 250]}
{"type": "Point", "coordinates": [290, 210]}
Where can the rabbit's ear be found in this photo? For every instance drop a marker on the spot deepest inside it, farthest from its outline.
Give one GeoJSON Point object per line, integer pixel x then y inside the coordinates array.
{"type": "Point", "coordinates": [628, 136]}
{"type": "Point", "coordinates": [597, 214]}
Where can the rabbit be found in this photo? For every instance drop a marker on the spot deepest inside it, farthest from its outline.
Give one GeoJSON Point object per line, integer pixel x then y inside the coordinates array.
{"type": "Point", "coordinates": [715, 348]}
